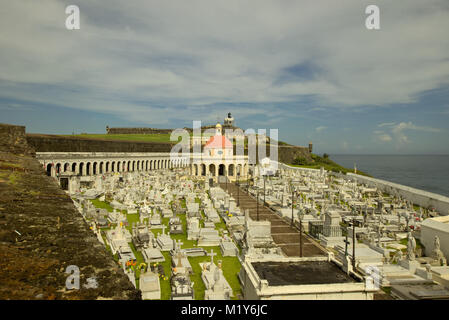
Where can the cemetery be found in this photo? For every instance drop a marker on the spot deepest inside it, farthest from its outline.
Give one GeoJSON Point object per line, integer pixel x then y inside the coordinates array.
{"type": "Point", "coordinates": [311, 235]}
{"type": "Point", "coordinates": [229, 230]}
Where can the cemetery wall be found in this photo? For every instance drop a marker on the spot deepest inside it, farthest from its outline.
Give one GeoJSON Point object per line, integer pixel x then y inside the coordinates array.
{"type": "Point", "coordinates": [416, 196]}
{"type": "Point", "coordinates": [419, 197]}
{"type": "Point", "coordinates": [42, 233]}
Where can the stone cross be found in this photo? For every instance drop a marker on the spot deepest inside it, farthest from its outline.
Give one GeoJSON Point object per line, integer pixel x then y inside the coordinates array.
{"type": "Point", "coordinates": [179, 243]}
{"type": "Point", "coordinates": [212, 254]}
{"type": "Point", "coordinates": [163, 229]}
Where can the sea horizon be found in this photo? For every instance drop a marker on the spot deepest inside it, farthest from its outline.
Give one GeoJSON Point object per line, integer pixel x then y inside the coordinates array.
{"type": "Point", "coordinates": [428, 172]}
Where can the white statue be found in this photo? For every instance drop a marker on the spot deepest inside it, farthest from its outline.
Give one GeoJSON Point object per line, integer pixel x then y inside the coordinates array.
{"type": "Point", "coordinates": [411, 247]}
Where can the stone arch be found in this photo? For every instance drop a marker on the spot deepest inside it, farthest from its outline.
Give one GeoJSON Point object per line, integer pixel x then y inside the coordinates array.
{"type": "Point", "coordinates": [239, 169]}
{"type": "Point", "coordinates": [138, 165]}
{"type": "Point", "coordinates": [101, 168]}
{"type": "Point", "coordinates": [113, 166]}
{"type": "Point", "coordinates": [66, 166]}
{"type": "Point", "coordinates": [95, 168]}
{"type": "Point", "coordinates": [231, 170]}
{"type": "Point", "coordinates": [74, 167]}
{"type": "Point", "coordinates": [212, 169]}
{"type": "Point", "coordinates": [88, 169]}
{"type": "Point", "coordinates": [82, 169]}
{"type": "Point", "coordinates": [195, 170]}
{"type": "Point", "coordinates": [203, 169]}
{"type": "Point", "coordinates": [107, 167]}
{"type": "Point", "coordinates": [48, 169]}
{"type": "Point", "coordinates": [222, 170]}
{"type": "Point", "coordinates": [58, 168]}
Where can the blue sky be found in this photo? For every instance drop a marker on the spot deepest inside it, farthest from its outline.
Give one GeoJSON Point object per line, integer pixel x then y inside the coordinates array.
{"type": "Point", "coordinates": [308, 68]}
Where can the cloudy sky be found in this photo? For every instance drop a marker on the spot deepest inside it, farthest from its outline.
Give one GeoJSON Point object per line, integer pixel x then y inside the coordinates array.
{"type": "Point", "coordinates": [308, 68]}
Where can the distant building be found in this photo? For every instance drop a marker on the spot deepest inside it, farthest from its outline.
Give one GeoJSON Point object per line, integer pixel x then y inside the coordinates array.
{"type": "Point", "coordinates": [218, 159]}
{"type": "Point", "coordinates": [229, 121]}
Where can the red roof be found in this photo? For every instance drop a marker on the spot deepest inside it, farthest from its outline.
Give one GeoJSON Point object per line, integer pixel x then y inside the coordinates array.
{"type": "Point", "coordinates": [218, 142]}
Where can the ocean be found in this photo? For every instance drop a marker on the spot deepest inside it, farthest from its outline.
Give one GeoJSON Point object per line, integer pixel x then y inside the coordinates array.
{"type": "Point", "coordinates": [425, 172]}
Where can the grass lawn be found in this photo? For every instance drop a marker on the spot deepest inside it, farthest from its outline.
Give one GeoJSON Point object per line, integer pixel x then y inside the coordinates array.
{"type": "Point", "coordinates": [102, 205]}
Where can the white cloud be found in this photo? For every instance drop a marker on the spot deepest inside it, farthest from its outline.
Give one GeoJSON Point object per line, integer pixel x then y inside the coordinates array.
{"type": "Point", "coordinates": [389, 124]}
{"type": "Point", "coordinates": [385, 137]}
{"type": "Point", "coordinates": [154, 62]}
{"type": "Point", "coordinates": [398, 131]}
{"type": "Point", "coordinates": [320, 129]}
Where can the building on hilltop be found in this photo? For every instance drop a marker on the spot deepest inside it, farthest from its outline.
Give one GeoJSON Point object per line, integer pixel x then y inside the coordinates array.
{"type": "Point", "coordinates": [228, 121]}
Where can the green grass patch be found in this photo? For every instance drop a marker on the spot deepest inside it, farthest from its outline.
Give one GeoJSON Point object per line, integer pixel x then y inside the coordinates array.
{"type": "Point", "coordinates": [230, 265]}
{"type": "Point", "coordinates": [419, 245]}
{"type": "Point", "coordinates": [102, 205]}
{"type": "Point", "coordinates": [128, 137]}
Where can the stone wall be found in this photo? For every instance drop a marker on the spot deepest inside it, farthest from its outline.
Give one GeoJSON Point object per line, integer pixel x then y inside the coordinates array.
{"type": "Point", "coordinates": [42, 233]}
{"type": "Point", "coordinates": [13, 139]}
{"type": "Point", "coordinates": [419, 197]}
{"type": "Point", "coordinates": [54, 143]}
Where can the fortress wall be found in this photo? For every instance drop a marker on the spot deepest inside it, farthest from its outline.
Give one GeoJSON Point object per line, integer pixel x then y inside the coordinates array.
{"type": "Point", "coordinates": [13, 139]}
{"type": "Point", "coordinates": [42, 233]}
{"type": "Point", "coordinates": [140, 131]}
{"type": "Point", "coordinates": [54, 143]}
{"type": "Point", "coordinates": [50, 143]}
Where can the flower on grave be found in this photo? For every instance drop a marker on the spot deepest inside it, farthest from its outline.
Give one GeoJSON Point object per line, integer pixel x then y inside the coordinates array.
{"type": "Point", "coordinates": [412, 227]}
